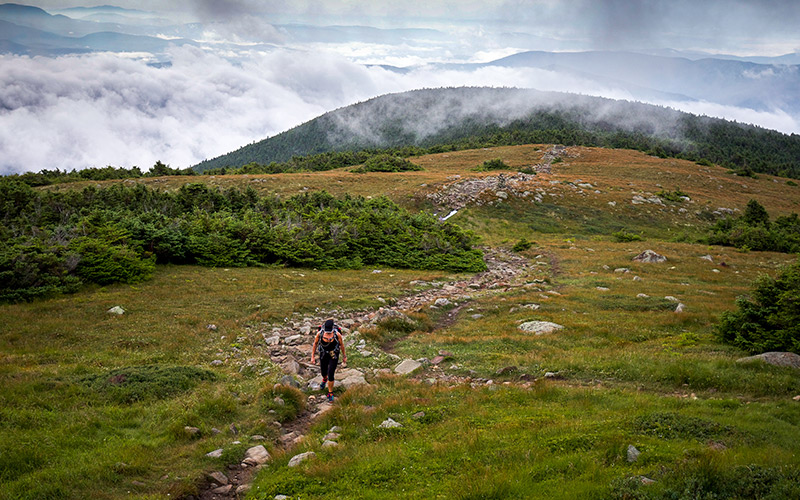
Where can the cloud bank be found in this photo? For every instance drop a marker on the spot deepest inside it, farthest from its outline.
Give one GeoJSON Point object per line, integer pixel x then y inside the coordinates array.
{"type": "Point", "coordinates": [74, 112]}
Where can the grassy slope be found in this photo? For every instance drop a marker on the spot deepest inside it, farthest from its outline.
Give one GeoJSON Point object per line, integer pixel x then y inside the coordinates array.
{"type": "Point", "coordinates": [622, 358]}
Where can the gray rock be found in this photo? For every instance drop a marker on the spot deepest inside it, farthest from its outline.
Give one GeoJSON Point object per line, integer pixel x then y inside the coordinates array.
{"type": "Point", "coordinates": [298, 459]}
{"type": "Point", "coordinates": [384, 314]}
{"type": "Point", "coordinates": [335, 428]}
{"type": "Point", "coordinates": [217, 477]}
{"type": "Point", "coordinates": [281, 497]}
{"type": "Point", "coordinates": [390, 424]}
{"type": "Point", "coordinates": [633, 453]}
{"type": "Point", "coordinates": [294, 340]}
{"type": "Point", "coordinates": [273, 340]}
{"type": "Point", "coordinates": [540, 327]}
{"type": "Point", "coordinates": [222, 490]}
{"type": "Point", "coordinates": [407, 367]}
{"type": "Point", "coordinates": [290, 381]}
{"type": "Point", "coordinates": [256, 455]}
{"type": "Point", "coordinates": [441, 302]}
{"type": "Point", "coordinates": [217, 362]}
{"type": "Point", "coordinates": [708, 258]}
{"type": "Point", "coordinates": [680, 308]}
{"type": "Point", "coordinates": [649, 256]}
{"type": "Point", "coordinates": [789, 359]}
{"type": "Point", "coordinates": [192, 431]}
{"type": "Point", "coordinates": [622, 270]}
{"type": "Point", "coordinates": [291, 366]}
{"type": "Point", "coordinates": [212, 327]}
{"type": "Point", "coordinates": [243, 489]}
{"type": "Point", "coordinates": [329, 444]}
{"type": "Point", "coordinates": [116, 310]}
{"type": "Point", "coordinates": [305, 330]}
{"type": "Point", "coordinates": [602, 288]}
{"type": "Point", "coordinates": [215, 454]}
{"type": "Point", "coordinates": [257, 437]}
{"type": "Point", "coordinates": [642, 296]}
{"type": "Point", "coordinates": [352, 381]}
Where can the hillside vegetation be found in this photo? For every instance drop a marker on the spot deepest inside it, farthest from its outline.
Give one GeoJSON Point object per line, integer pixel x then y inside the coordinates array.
{"type": "Point", "coordinates": [629, 399]}
{"type": "Point", "coordinates": [435, 120]}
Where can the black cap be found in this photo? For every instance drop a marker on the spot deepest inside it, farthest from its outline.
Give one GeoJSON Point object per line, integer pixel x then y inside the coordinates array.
{"type": "Point", "coordinates": [328, 327]}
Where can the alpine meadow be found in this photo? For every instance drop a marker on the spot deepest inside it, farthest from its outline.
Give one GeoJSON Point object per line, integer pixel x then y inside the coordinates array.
{"type": "Point", "coordinates": [542, 294]}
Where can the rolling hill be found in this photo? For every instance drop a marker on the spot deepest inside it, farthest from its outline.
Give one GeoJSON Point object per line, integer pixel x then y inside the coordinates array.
{"type": "Point", "coordinates": [470, 117]}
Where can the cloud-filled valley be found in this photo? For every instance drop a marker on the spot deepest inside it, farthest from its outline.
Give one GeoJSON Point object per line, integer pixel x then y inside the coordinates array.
{"type": "Point", "coordinates": [118, 108]}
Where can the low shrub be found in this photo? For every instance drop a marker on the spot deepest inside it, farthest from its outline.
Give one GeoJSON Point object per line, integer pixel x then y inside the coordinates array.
{"type": "Point", "coordinates": [386, 163]}
{"type": "Point", "coordinates": [493, 164]}
{"type": "Point", "coordinates": [667, 425]}
{"type": "Point", "coordinates": [623, 236]}
{"type": "Point", "coordinates": [137, 383]}
{"type": "Point", "coordinates": [522, 245]}
{"type": "Point", "coordinates": [674, 196]}
{"type": "Point", "coordinates": [770, 319]}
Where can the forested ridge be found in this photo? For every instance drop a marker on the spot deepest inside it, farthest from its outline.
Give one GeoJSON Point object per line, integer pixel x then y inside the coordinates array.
{"type": "Point", "coordinates": [434, 120]}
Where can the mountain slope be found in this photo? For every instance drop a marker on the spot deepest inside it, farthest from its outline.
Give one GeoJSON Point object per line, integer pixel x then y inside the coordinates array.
{"type": "Point", "coordinates": [489, 116]}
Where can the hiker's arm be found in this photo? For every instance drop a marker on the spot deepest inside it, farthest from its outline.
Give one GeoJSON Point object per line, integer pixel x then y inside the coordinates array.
{"type": "Point", "coordinates": [341, 343]}
{"type": "Point", "coordinates": [314, 347]}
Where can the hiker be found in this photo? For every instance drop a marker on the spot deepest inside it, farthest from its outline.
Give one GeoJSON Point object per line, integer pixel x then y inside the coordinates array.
{"type": "Point", "coordinates": [327, 344]}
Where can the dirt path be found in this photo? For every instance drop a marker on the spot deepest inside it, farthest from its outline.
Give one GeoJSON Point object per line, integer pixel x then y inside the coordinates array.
{"type": "Point", "coordinates": [505, 271]}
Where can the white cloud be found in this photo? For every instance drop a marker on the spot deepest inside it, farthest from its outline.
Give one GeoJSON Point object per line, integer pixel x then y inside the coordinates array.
{"type": "Point", "coordinates": [100, 109]}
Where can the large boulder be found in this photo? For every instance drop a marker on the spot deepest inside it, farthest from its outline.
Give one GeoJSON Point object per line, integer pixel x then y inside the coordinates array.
{"type": "Point", "coordinates": [789, 359]}
{"type": "Point", "coordinates": [650, 257]}
{"type": "Point", "coordinates": [256, 455]}
{"type": "Point", "coordinates": [407, 367]}
{"type": "Point", "coordinates": [540, 327]}
{"type": "Point", "coordinates": [298, 459]}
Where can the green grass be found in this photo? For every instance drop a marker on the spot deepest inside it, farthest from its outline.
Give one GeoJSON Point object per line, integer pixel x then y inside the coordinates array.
{"type": "Point", "coordinates": [94, 405]}
{"type": "Point", "coordinates": [631, 370]}
{"type": "Point", "coordinates": [544, 442]}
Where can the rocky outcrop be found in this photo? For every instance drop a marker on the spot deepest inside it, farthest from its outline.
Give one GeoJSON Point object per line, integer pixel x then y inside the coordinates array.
{"type": "Point", "coordinates": [789, 359]}
{"type": "Point", "coordinates": [650, 257]}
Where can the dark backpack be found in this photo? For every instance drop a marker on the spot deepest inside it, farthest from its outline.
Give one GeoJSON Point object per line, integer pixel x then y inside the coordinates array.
{"type": "Point", "coordinates": [333, 351]}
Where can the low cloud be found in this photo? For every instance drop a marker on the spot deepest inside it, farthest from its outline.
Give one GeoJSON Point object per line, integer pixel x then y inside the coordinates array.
{"type": "Point", "coordinates": [74, 112]}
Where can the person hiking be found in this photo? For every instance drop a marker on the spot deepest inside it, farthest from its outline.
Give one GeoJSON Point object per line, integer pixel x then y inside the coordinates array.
{"type": "Point", "coordinates": [327, 344]}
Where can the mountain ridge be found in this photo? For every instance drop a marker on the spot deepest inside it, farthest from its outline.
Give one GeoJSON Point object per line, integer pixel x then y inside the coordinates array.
{"type": "Point", "coordinates": [486, 116]}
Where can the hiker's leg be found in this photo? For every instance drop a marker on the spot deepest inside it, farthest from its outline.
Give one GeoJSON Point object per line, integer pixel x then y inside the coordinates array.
{"type": "Point", "coordinates": [332, 372]}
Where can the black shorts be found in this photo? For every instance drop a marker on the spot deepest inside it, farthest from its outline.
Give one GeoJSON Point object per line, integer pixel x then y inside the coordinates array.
{"type": "Point", "coordinates": [327, 364]}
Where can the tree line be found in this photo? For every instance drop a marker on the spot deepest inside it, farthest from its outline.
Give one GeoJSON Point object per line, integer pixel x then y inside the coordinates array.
{"type": "Point", "coordinates": [55, 242]}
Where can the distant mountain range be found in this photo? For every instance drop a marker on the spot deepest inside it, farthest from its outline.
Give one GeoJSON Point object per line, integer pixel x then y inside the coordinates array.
{"type": "Point", "coordinates": [475, 117]}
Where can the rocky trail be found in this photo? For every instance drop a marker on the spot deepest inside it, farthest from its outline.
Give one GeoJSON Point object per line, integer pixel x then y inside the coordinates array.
{"type": "Point", "coordinates": [288, 345]}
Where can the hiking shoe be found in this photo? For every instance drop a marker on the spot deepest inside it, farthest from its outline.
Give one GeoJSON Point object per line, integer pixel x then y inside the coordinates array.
{"type": "Point", "coordinates": [330, 397]}
{"type": "Point", "coordinates": [323, 385]}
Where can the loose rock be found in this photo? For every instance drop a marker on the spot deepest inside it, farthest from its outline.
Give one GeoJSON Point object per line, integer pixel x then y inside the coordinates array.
{"type": "Point", "coordinates": [789, 359]}
{"type": "Point", "coordinates": [649, 256]}
{"type": "Point", "coordinates": [390, 424]}
{"type": "Point", "coordinates": [298, 459]}
{"type": "Point", "coordinates": [407, 367]}
{"type": "Point", "coordinates": [256, 455]}
{"type": "Point", "coordinates": [633, 453]}
{"type": "Point", "coordinates": [540, 327]}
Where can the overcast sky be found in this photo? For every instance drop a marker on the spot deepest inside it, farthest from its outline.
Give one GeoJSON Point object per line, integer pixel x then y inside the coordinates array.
{"type": "Point", "coordinates": [115, 109]}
